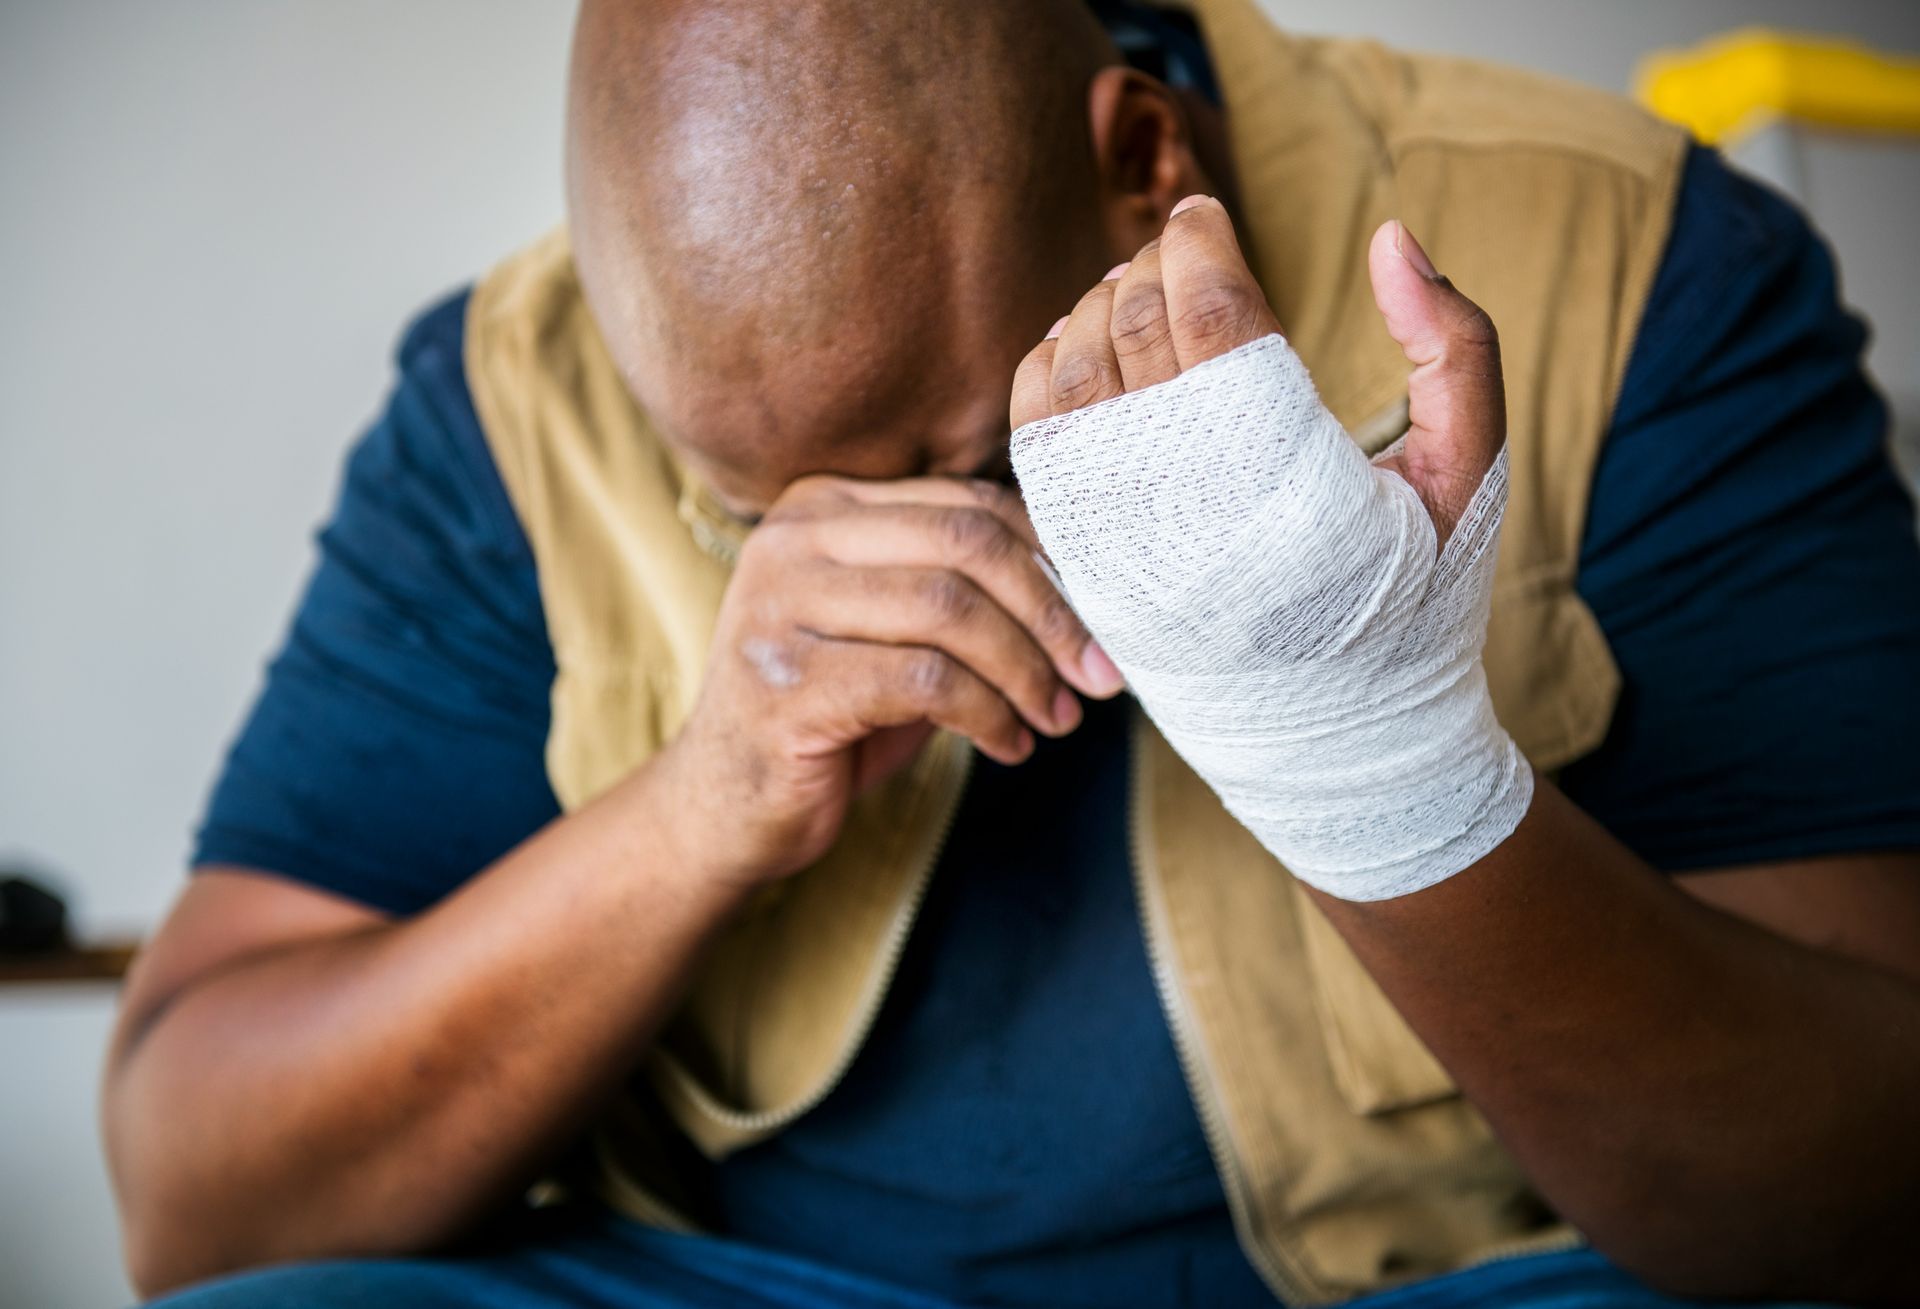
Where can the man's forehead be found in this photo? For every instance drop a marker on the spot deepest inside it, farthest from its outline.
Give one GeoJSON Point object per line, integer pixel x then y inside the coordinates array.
{"type": "Point", "coordinates": [800, 157]}
{"type": "Point", "coordinates": [872, 373]}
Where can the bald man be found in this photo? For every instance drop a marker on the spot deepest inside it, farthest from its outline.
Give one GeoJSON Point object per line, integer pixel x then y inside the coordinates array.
{"type": "Point", "coordinates": [684, 561]}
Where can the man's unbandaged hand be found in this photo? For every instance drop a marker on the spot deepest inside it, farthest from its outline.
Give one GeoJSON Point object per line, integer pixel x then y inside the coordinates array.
{"type": "Point", "coordinates": [862, 615]}
{"type": "Point", "coordinates": [1303, 625]}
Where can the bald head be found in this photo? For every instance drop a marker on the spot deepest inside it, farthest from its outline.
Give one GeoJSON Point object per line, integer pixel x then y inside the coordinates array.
{"type": "Point", "coordinates": [818, 234]}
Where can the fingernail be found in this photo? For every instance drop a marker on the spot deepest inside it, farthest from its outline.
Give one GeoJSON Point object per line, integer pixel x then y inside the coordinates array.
{"type": "Point", "coordinates": [1113, 274]}
{"type": "Point", "coordinates": [1190, 202]}
{"type": "Point", "coordinates": [1409, 250]}
{"type": "Point", "coordinates": [1022, 745]}
{"type": "Point", "coordinates": [1056, 329]}
{"type": "Point", "coordinates": [1102, 674]}
{"type": "Point", "coordinates": [1066, 710]}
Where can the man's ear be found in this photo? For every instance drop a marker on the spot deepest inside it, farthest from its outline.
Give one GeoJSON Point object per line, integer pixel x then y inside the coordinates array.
{"type": "Point", "coordinates": [1144, 153]}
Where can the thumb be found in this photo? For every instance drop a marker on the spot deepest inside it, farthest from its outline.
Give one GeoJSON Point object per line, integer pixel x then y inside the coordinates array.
{"type": "Point", "coordinates": [1456, 403]}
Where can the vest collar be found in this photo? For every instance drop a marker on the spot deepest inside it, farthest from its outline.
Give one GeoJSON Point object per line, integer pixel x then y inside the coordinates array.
{"type": "Point", "coordinates": [1320, 163]}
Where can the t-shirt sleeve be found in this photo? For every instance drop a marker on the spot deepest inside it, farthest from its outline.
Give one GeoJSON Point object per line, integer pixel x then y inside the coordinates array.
{"type": "Point", "coordinates": [1750, 553]}
{"type": "Point", "coordinates": [397, 745]}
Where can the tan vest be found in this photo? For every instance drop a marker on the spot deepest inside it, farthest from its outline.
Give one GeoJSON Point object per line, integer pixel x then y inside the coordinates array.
{"type": "Point", "coordinates": [1348, 1159]}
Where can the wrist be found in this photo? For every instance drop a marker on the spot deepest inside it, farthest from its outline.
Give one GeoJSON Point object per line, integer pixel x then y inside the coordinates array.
{"type": "Point", "coordinates": [709, 825]}
{"type": "Point", "coordinates": [674, 817]}
{"type": "Point", "coordinates": [1413, 799]}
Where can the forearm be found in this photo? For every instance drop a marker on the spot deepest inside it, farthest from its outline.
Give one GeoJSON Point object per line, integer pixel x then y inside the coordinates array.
{"type": "Point", "coordinates": [1724, 1110]}
{"type": "Point", "coordinates": [377, 1092]}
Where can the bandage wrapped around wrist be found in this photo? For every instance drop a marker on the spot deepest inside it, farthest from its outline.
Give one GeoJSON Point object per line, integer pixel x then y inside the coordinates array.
{"type": "Point", "coordinates": [1278, 607]}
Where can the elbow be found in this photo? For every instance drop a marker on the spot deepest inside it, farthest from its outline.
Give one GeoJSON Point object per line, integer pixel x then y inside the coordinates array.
{"type": "Point", "coordinates": [161, 1256]}
{"type": "Point", "coordinates": [162, 1248]}
{"type": "Point", "coordinates": [152, 1262]}
{"type": "Point", "coordinates": [169, 1247]}
{"type": "Point", "coordinates": [164, 1235]}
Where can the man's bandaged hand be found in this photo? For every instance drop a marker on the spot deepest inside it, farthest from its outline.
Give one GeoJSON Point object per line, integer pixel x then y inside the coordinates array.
{"type": "Point", "coordinates": [1303, 625]}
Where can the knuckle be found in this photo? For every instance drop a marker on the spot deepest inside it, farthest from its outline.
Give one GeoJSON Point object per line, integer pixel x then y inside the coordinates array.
{"type": "Point", "coordinates": [1091, 298]}
{"type": "Point", "coordinates": [809, 487]}
{"type": "Point", "coordinates": [972, 533]}
{"type": "Point", "coordinates": [1036, 364]}
{"type": "Point", "coordinates": [1037, 682]}
{"type": "Point", "coordinates": [1083, 379]}
{"type": "Point", "coordinates": [1185, 240]}
{"type": "Point", "coordinates": [930, 676]}
{"type": "Point", "coordinates": [949, 597]}
{"type": "Point", "coordinates": [1474, 327]}
{"type": "Point", "coordinates": [1139, 319]}
{"type": "Point", "coordinates": [1216, 309]}
{"type": "Point", "coordinates": [1028, 398]}
{"type": "Point", "coordinates": [780, 520]}
{"type": "Point", "coordinates": [775, 660]}
{"type": "Point", "coordinates": [765, 541]}
{"type": "Point", "coordinates": [779, 535]}
{"type": "Point", "coordinates": [991, 496]}
{"type": "Point", "coordinates": [1056, 623]}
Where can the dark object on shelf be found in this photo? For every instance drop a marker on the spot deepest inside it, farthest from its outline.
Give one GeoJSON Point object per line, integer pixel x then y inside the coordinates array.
{"type": "Point", "coordinates": [36, 944]}
{"type": "Point", "coordinates": [33, 920]}
{"type": "Point", "coordinates": [105, 962]}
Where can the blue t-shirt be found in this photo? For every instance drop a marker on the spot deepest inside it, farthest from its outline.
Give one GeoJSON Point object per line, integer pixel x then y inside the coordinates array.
{"type": "Point", "coordinates": [1016, 1130]}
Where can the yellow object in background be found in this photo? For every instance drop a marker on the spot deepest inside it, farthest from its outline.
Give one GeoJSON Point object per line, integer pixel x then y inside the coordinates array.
{"type": "Point", "coordinates": [1737, 83]}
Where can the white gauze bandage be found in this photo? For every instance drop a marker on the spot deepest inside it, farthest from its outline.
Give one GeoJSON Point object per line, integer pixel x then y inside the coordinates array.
{"type": "Point", "coordinates": [1277, 606]}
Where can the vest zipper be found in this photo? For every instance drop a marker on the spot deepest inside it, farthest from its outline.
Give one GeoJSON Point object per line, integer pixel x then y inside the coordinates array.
{"type": "Point", "coordinates": [1524, 1247]}
{"type": "Point", "coordinates": [767, 1121]}
{"type": "Point", "coordinates": [1288, 1286]}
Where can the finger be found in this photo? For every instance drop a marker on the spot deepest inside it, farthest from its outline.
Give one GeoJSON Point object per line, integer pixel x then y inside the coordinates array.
{"type": "Point", "coordinates": [1455, 397]}
{"type": "Point", "coordinates": [1213, 303]}
{"type": "Point", "coordinates": [874, 687]}
{"type": "Point", "coordinates": [980, 545]}
{"type": "Point", "coordinates": [959, 492]}
{"type": "Point", "coordinates": [945, 609]}
{"type": "Point", "coordinates": [886, 752]}
{"type": "Point", "coordinates": [1097, 675]}
{"type": "Point", "coordinates": [1033, 386]}
{"type": "Point", "coordinates": [1085, 371]}
{"type": "Point", "coordinates": [1142, 334]}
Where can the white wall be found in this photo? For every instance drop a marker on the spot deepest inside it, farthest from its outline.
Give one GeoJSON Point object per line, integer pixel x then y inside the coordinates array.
{"type": "Point", "coordinates": [214, 217]}
{"type": "Point", "coordinates": [217, 217]}
{"type": "Point", "coordinates": [219, 214]}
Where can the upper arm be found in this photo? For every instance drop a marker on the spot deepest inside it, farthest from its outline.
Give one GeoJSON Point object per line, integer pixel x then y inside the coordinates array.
{"type": "Point", "coordinates": [1861, 907]}
{"type": "Point", "coordinates": [396, 748]}
{"type": "Point", "coordinates": [1750, 554]}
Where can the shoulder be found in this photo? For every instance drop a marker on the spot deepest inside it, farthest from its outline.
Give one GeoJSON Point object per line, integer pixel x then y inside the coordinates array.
{"type": "Point", "coordinates": [1750, 555]}
{"type": "Point", "coordinates": [1745, 393]}
{"type": "Point", "coordinates": [1426, 102]}
{"type": "Point", "coordinates": [1743, 272]}
{"type": "Point", "coordinates": [396, 746]}
{"type": "Point", "coordinates": [424, 471]}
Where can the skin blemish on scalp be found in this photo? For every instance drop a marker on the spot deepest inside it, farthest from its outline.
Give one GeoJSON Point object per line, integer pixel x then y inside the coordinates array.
{"type": "Point", "coordinates": [771, 662]}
